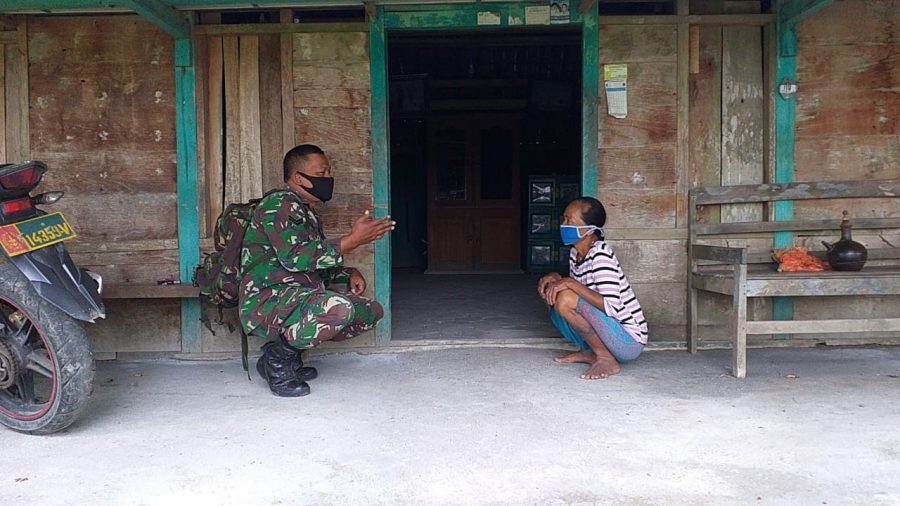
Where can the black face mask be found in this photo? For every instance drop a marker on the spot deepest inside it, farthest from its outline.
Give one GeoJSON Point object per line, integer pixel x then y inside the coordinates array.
{"type": "Point", "coordinates": [322, 187]}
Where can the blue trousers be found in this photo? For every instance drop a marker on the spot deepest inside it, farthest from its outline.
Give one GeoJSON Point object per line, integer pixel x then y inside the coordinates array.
{"type": "Point", "coordinates": [613, 335]}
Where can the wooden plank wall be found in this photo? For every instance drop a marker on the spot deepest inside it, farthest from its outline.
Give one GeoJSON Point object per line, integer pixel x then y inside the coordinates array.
{"type": "Point", "coordinates": [102, 116]}
{"type": "Point", "coordinates": [14, 146]}
{"type": "Point", "coordinates": [637, 171]}
{"type": "Point", "coordinates": [848, 124]}
{"type": "Point", "coordinates": [331, 102]}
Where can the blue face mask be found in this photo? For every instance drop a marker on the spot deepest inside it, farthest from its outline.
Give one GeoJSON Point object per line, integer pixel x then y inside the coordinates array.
{"type": "Point", "coordinates": [573, 233]}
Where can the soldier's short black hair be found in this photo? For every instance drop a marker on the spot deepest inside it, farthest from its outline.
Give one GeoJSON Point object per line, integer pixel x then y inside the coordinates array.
{"type": "Point", "coordinates": [296, 157]}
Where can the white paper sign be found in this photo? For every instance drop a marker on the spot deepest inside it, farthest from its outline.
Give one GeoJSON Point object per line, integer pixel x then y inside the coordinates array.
{"type": "Point", "coordinates": [537, 15]}
{"type": "Point", "coordinates": [488, 18]}
{"type": "Point", "coordinates": [615, 77]}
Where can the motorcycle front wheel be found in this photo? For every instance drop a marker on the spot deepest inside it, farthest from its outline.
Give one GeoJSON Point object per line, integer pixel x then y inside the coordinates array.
{"type": "Point", "coordinates": [46, 360]}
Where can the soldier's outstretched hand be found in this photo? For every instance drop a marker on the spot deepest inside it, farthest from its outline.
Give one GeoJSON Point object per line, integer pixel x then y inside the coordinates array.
{"type": "Point", "coordinates": [366, 229]}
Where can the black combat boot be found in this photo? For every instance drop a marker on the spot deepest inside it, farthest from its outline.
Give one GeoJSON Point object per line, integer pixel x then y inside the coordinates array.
{"type": "Point", "coordinates": [303, 373]}
{"type": "Point", "coordinates": [276, 366]}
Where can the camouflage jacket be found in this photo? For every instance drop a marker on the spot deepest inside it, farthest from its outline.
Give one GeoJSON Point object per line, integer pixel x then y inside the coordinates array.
{"type": "Point", "coordinates": [284, 250]}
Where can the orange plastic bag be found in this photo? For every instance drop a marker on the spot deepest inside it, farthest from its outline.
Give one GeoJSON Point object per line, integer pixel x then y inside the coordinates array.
{"type": "Point", "coordinates": [798, 259]}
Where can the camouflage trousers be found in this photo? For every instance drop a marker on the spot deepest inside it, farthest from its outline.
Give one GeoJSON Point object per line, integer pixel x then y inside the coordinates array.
{"type": "Point", "coordinates": [325, 316]}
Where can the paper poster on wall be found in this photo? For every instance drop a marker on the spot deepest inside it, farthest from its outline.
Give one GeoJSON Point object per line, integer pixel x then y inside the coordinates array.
{"type": "Point", "coordinates": [559, 11]}
{"type": "Point", "coordinates": [615, 77]}
{"type": "Point", "coordinates": [537, 15]}
{"type": "Point", "coordinates": [488, 18]}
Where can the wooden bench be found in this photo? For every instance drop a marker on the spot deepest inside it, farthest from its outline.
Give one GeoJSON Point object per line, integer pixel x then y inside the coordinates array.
{"type": "Point", "coordinates": [743, 273]}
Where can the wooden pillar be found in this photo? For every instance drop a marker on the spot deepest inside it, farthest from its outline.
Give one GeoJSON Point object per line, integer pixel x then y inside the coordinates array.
{"type": "Point", "coordinates": [188, 212]}
{"type": "Point", "coordinates": [788, 14]}
{"type": "Point", "coordinates": [590, 90]}
{"type": "Point", "coordinates": [381, 178]}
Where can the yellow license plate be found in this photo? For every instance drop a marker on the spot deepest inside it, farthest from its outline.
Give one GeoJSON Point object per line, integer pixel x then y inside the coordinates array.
{"type": "Point", "coordinates": [36, 233]}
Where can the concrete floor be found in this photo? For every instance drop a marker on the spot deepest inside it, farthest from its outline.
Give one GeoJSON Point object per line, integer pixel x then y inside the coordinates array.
{"type": "Point", "coordinates": [479, 426]}
{"type": "Point", "coordinates": [467, 306]}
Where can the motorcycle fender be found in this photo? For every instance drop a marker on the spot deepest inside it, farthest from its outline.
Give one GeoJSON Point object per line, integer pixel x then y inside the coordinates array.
{"type": "Point", "coordinates": [57, 279]}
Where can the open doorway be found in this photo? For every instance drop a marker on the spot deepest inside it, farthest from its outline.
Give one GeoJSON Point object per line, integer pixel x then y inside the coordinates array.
{"type": "Point", "coordinates": [485, 153]}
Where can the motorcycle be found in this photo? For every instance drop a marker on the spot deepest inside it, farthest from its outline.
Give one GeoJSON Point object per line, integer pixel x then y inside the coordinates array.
{"type": "Point", "coordinates": [46, 359]}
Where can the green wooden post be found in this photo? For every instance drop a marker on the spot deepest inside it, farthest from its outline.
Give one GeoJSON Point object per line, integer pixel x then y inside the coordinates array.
{"type": "Point", "coordinates": [789, 13]}
{"type": "Point", "coordinates": [590, 89]}
{"type": "Point", "coordinates": [381, 179]}
{"type": "Point", "coordinates": [785, 112]}
{"type": "Point", "coordinates": [188, 214]}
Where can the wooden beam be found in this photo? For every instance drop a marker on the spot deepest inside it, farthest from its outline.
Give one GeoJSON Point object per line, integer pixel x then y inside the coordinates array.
{"type": "Point", "coordinates": [755, 227]}
{"type": "Point", "coordinates": [251, 161]}
{"type": "Point", "coordinates": [3, 158]}
{"type": "Point", "coordinates": [381, 177]}
{"type": "Point", "coordinates": [288, 136]}
{"type": "Point", "coordinates": [691, 19]}
{"type": "Point", "coordinates": [824, 326]}
{"type": "Point", "coordinates": [283, 27]}
{"type": "Point", "coordinates": [161, 16]}
{"type": "Point", "coordinates": [590, 102]}
{"type": "Point", "coordinates": [188, 211]}
{"type": "Point", "coordinates": [741, 194]}
{"type": "Point", "coordinates": [719, 254]}
{"type": "Point", "coordinates": [215, 165]}
{"type": "Point", "coordinates": [682, 120]}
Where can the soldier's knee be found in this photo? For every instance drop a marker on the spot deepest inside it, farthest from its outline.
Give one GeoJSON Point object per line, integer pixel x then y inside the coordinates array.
{"type": "Point", "coordinates": [377, 310]}
{"type": "Point", "coordinates": [338, 311]}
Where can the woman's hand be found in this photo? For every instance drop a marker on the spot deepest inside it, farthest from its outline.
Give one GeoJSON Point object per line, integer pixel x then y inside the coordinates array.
{"type": "Point", "coordinates": [545, 283]}
{"type": "Point", "coordinates": [560, 285]}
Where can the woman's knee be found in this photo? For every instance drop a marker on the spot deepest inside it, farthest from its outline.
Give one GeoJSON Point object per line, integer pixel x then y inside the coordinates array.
{"type": "Point", "coordinates": [566, 301]}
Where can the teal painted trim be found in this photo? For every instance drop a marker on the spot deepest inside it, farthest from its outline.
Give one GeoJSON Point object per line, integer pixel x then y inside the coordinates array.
{"type": "Point", "coordinates": [461, 16]}
{"type": "Point", "coordinates": [455, 17]}
{"type": "Point", "coordinates": [186, 141]}
{"type": "Point", "coordinates": [188, 214]}
{"type": "Point", "coordinates": [590, 102]}
{"type": "Point", "coordinates": [785, 113]}
{"type": "Point", "coordinates": [163, 17]}
{"type": "Point", "coordinates": [191, 330]}
{"type": "Point", "coordinates": [793, 11]}
{"type": "Point", "coordinates": [381, 179]}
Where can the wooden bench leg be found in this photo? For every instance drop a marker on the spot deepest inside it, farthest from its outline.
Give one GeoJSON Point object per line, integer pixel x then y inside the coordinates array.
{"type": "Point", "coordinates": [693, 323]}
{"type": "Point", "coordinates": [739, 323]}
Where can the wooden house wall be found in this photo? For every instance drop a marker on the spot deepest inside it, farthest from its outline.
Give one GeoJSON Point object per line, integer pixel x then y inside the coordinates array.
{"type": "Point", "coordinates": [848, 126]}
{"type": "Point", "coordinates": [101, 114]}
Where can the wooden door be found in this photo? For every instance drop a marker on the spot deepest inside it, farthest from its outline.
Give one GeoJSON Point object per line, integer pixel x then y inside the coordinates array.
{"type": "Point", "coordinates": [450, 202]}
{"type": "Point", "coordinates": [473, 194]}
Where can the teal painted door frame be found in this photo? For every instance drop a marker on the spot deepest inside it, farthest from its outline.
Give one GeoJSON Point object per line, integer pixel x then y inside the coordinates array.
{"type": "Point", "coordinates": [460, 17]}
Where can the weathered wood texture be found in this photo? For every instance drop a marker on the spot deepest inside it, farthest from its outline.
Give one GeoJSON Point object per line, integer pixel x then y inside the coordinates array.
{"type": "Point", "coordinates": [102, 116]}
{"type": "Point", "coordinates": [733, 268]}
{"type": "Point", "coordinates": [848, 107]}
{"type": "Point", "coordinates": [742, 115]}
{"type": "Point", "coordinates": [14, 95]}
{"type": "Point", "coordinates": [705, 114]}
{"type": "Point", "coordinates": [331, 104]}
{"type": "Point", "coordinates": [637, 159]}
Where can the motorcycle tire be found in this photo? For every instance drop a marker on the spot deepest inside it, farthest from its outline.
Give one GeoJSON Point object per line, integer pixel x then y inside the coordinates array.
{"type": "Point", "coordinates": [54, 354]}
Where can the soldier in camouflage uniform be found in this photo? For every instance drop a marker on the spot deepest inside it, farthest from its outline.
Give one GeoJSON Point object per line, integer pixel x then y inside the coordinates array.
{"type": "Point", "coordinates": [290, 269]}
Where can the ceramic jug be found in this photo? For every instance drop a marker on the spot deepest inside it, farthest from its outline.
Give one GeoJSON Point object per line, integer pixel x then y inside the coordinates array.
{"type": "Point", "coordinates": [846, 254]}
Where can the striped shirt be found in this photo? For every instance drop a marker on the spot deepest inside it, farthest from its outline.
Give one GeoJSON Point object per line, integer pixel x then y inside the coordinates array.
{"type": "Point", "coordinates": [600, 271]}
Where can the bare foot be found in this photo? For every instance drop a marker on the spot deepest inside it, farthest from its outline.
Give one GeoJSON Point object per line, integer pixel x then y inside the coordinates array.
{"type": "Point", "coordinates": [602, 368]}
{"type": "Point", "coordinates": [579, 357]}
